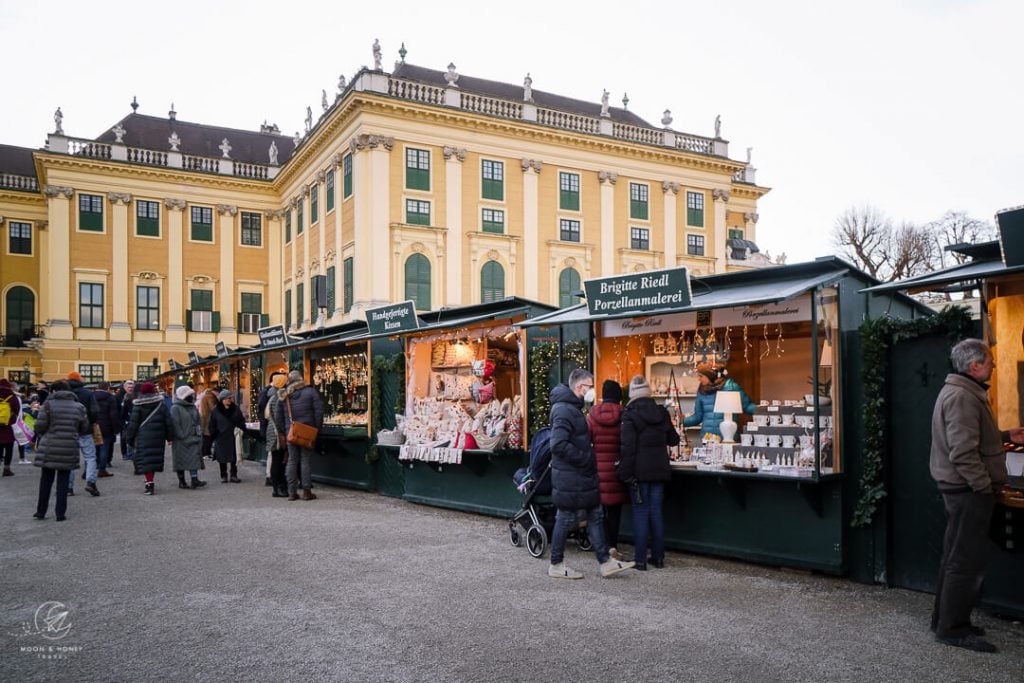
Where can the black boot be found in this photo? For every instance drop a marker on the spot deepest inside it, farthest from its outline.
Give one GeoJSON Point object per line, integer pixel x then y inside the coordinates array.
{"type": "Point", "coordinates": [181, 480]}
{"type": "Point", "coordinates": [196, 483]}
{"type": "Point", "coordinates": [223, 473]}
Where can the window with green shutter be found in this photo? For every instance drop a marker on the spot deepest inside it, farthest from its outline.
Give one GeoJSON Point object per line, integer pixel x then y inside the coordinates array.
{"type": "Point", "coordinates": [417, 169]}
{"type": "Point", "coordinates": [287, 309]}
{"type": "Point", "coordinates": [201, 317]}
{"type": "Point", "coordinates": [569, 191]}
{"type": "Point", "coordinates": [695, 209]}
{"type": "Point", "coordinates": [417, 212]}
{"type": "Point", "coordinates": [332, 282]}
{"type": "Point", "coordinates": [493, 220]}
{"type": "Point", "coordinates": [252, 229]}
{"type": "Point", "coordinates": [202, 224]}
{"type": "Point", "coordinates": [147, 308]}
{"type": "Point", "coordinates": [299, 209]}
{"type": "Point", "coordinates": [250, 317]}
{"type": "Point", "coordinates": [493, 179]}
{"type": "Point", "coordinates": [736, 233]}
{"type": "Point", "coordinates": [314, 203]}
{"type": "Point", "coordinates": [492, 282]}
{"type": "Point", "coordinates": [346, 167]}
{"type": "Point", "coordinates": [347, 284]}
{"type": "Point", "coordinates": [300, 304]}
{"type": "Point", "coordinates": [90, 212]}
{"type": "Point", "coordinates": [147, 218]}
{"type": "Point", "coordinates": [417, 281]}
{"type": "Point", "coordinates": [330, 190]}
{"type": "Point", "coordinates": [638, 200]}
{"type": "Point", "coordinates": [287, 226]}
{"type": "Point", "coordinates": [568, 282]}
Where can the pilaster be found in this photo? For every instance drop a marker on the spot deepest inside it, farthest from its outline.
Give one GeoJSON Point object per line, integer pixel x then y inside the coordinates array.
{"type": "Point", "coordinates": [671, 190]}
{"type": "Point", "coordinates": [339, 275]}
{"type": "Point", "coordinates": [531, 229]}
{"type": "Point", "coordinates": [274, 254]}
{"type": "Point", "coordinates": [226, 216]}
{"type": "Point", "coordinates": [174, 294]}
{"type": "Point", "coordinates": [721, 199]}
{"type": "Point", "coordinates": [120, 327]}
{"type": "Point", "coordinates": [454, 157]}
{"type": "Point", "coordinates": [607, 180]}
{"type": "Point", "coordinates": [307, 308]}
{"type": "Point", "coordinates": [59, 261]}
{"type": "Point", "coordinates": [370, 174]}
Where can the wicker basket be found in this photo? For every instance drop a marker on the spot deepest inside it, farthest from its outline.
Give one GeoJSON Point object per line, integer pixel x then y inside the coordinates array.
{"type": "Point", "coordinates": [390, 437]}
{"type": "Point", "coordinates": [490, 443]}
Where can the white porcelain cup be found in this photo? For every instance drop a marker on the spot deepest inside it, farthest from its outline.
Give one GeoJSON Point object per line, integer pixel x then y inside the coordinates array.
{"type": "Point", "coordinates": [787, 418]}
{"type": "Point", "coordinates": [776, 402]}
{"type": "Point", "coordinates": [760, 440]}
{"type": "Point", "coordinates": [761, 420]}
{"type": "Point", "coordinates": [775, 419]}
{"type": "Point", "coordinates": [788, 441]}
{"type": "Point", "coordinates": [806, 441]}
{"type": "Point", "coordinates": [774, 441]}
{"type": "Point", "coordinates": [763, 403]}
{"type": "Point", "coordinates": [746, 439]}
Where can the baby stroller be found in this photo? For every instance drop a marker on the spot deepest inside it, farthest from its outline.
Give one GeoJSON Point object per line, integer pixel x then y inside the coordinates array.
{"type": "Point", "coordinates": [536, 517]}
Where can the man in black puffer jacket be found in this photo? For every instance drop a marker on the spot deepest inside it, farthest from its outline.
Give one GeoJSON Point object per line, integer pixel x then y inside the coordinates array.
{"type": "Point", "coordinates": [60, 423]}
{"type": "Point", "coordinates": [85, 442]}
{"type": "Point", "coordinates": [108, 417]}
{"type": "Point", "coordinates": [575, 487]}
{"type": "Point", "coordinates": [301, 403]}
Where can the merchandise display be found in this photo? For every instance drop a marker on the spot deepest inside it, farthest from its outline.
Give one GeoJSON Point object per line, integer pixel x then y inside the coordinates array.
{"type": "Point", "coordinates": [343, 382]}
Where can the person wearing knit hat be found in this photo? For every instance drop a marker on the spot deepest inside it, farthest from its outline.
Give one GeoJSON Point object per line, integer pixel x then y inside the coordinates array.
{"type": "Point", "coordinates": [605, 423]}
{"type": "Point", "coordinates": [149, 430]}
{"type": "Point", "coordinates": [261, 412]}
{"type": "Point", "coordinates": [647, 432]}
{"type": "Point", "coordinates": [713, 380]}
{"type": "Point", "coordinates": [277, 446]}
{"type": "Point", "coordinates": [75, 376]}
{"type": "Point", "coordinates": [225, 418]}
{"type": "Point", "coordinates": [188, 437]}
{"type": "Point", "coordinates": [147, 388]}
{"type": "Point", "coordinates": [299, 402]}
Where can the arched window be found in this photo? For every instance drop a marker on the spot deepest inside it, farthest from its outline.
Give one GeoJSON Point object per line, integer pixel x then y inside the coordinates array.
{"type": "Point", "coordinates": [568, 282]}
{"type": "Point", "coordinates": [21, 315]}
{"type": "Point", "coordinates": [417, 281]}
{"type": "Point", "coordinates": [492, 282]}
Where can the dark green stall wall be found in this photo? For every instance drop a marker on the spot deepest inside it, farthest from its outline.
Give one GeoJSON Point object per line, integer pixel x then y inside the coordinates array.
{"type": "Point", "coordinates": [482, 483]}
{"type": "Point", "coordinates": [343, 462]}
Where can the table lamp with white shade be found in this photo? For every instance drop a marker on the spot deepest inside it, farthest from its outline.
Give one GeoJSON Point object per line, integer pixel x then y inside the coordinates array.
{"type": "Point", "coordinates": [728, 403]}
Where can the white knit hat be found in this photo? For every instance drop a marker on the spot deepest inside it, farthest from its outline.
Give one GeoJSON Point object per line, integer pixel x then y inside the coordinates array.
{"type": "Point", "coordinates": [183, 392]}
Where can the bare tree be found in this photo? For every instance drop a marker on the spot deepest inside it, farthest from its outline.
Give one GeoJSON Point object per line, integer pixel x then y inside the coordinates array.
{"type": "Point", "coordinates": [956, 227]}
{"type": "Point", "coordinates": [871, 241]}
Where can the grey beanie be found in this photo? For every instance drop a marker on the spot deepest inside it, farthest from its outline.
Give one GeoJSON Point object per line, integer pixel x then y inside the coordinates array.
{"type": "Point", "coordinates": [224, 394]}
{"type": "Point", "coordinates": [639, 388]}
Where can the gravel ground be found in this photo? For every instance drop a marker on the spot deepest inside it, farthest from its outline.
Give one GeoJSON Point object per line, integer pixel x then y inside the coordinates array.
{"type": "Point", "coordinates": [226, 583]}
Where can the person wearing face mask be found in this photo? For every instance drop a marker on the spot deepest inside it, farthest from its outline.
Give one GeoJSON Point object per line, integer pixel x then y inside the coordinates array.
{"type": "Point", "coordinates": [188, 437]}
{"type": "Point", "coordinates": [574, 481]}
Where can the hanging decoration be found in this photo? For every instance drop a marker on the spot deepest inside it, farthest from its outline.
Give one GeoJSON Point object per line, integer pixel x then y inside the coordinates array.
{"type": "Point", "coordinates": [778, 344]}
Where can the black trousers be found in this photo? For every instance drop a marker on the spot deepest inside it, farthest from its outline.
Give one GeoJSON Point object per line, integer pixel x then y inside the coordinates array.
{"type": "Point", "coordinates": [46, 484]}
{"type": "Point", "coordinates": [965, 553]}
{"type": "Point", "coordinates": [224, 470]}
{"type": "Point", "coordinates": [6, 453]}
{"type": "Point", "coordinates": [277, 477]}
{"type": "Point", "coordinates": [612, 520]}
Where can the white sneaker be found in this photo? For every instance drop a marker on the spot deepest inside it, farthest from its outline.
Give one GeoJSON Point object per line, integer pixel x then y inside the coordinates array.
{"type": "Point", "coordinates": [612, 567]}
{"type": "Point", "coordinates": [561, 571]}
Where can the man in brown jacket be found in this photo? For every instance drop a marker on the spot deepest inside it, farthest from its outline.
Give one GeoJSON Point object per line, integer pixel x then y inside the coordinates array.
{"type": "Point", "coordinates": [968, 463]}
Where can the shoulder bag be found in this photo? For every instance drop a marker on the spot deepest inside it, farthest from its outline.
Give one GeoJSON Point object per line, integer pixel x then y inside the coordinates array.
{"type": "Point", "coordinates": [299, 434]}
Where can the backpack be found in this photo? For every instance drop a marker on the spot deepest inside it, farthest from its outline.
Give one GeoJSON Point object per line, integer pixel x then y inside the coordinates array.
{"type": "Point", "coordinates": [5, 411]}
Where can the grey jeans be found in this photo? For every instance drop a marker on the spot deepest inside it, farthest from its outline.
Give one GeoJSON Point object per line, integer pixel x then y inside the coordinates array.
{"type": "Point", "coordinates": [291, 470]}
{"type": "Point", "coordinates": [965, 551]}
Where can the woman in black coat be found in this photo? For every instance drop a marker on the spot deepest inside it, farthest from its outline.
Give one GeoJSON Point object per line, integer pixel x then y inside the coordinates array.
{"type": "Point", "coordinates": [647, 432]}
{"type": "Point", "coordinates": [224, 418]}
{"type": "Point", "coordinates": [149, 431]}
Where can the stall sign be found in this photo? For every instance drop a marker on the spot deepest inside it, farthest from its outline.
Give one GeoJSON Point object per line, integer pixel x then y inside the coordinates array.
{"type": "Point", "coordinates": [1011, 235]}
{"type": "Point", "coordinates": [653, 324]}
{"type": "Point", "coordinates": [795, 310]}
{"type": "Point", "coordinates": [193, 358]}
{"type": "Point", "coordinates": [272, 336]}
{"type": "Point", "coordinates": [222, 350]}
{"type": "Point", "coordinates": [638, 292]}
{"type": "Point", "coordinates": [392, 319]}
{"type": "Point", "coordinates": [172, 364]}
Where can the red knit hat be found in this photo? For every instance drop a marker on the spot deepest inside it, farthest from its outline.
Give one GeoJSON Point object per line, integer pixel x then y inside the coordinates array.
{"type": "Point", "coordinates": [74, 375]}
{"type": "Point", "coordinates": [147, 388]}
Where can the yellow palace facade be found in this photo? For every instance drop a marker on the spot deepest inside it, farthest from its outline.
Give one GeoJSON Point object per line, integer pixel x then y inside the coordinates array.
{"type": "Point", "coordinates": [162, 237]}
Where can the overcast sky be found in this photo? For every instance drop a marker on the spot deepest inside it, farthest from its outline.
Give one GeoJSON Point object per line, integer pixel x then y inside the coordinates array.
{"type": "Point", "coordinates": [913, 106]}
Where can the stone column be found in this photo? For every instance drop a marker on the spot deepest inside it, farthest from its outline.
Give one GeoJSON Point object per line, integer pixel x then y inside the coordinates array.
{"type": "Point", "coordinates": [275, 269]}
{"type": "Point", "coordinates": [228, 330]}
{"type": "Point", "coordinates": [721, 198]}
{"type": "Point", "coordinates": [294, 267]}
{"type": "Point", "coordinates": [174, 293]}
{"type": "Point", "coordinates": [339, 274]}
{"type": "Point", "coordinates": [120, 325]}
{"type": "Point", "coordinates": [59, 262]}
{"type": "Point", "coordinates": [671, 248]}
{"type": "Point", "coordinates": [608, 180]}
{"type": "Point", "coordinates": [372, 220]}
{"type": "Point", "coordinates": [321, 195]}
{"type": "Point", "coordinates": [531, 229]}
{"type": "Point", "coordinates": [454, 156]}
{"type": "Point", "coordinates": [307, 309]}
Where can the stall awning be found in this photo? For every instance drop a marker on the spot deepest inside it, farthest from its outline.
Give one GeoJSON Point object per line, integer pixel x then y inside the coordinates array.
{"type": "Point", "coordinates": [966, 273]}
{"type": "Point", "coordinates": [451, 323]}
{"type": "Point", "coordinates": [731, 290]}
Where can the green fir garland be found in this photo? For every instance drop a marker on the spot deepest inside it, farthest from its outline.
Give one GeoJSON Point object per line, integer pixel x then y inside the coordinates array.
{"type": "Point", "coordinates": [384, 364]}
{"type": "Point", "coordinates": [542, 359]}
{"type": "Point", "coordinates": [877, 337]}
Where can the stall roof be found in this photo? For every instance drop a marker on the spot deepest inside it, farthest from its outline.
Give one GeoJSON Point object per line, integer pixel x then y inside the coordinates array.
{"type": "Point", "coordinates": [729, 290]}
{"type": "Point", "coordinates": [459, 316]}
{"type": "Point", "coordinates": [987, 266]}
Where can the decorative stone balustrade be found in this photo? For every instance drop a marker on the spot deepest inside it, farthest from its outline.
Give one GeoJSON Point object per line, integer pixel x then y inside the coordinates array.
{"type": "Point", "coordinates": [9, 181]}
{"type": "Point", "coordinates": [418, 92]}
{"type": "Point", "coordinates": [647, 136]}
{"type": "Point", "coordinates": [491, 106]}
{"type": "Point", "coordinates": [203, 164]}
{"type": "Point", "coordinates": [561, 119]}
{"type": "Point", "coordinates": [150, 157]}
{"type": "Point", "coordinates": [88, 148]}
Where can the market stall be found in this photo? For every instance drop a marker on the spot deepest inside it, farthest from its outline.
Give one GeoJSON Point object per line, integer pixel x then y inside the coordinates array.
{"type": "Point", "coordinates": [461, 432]}
{"type": "Point", "coordinates": [776, 486]}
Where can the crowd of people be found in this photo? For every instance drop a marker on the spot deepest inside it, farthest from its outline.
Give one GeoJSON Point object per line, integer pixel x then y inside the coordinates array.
{"type": "Point", "coordinates": [65, 426]}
